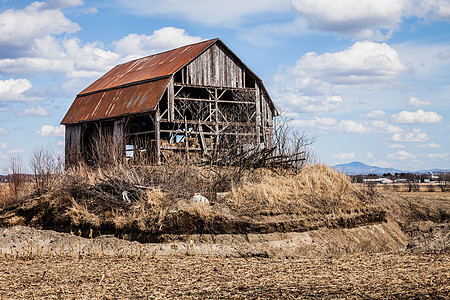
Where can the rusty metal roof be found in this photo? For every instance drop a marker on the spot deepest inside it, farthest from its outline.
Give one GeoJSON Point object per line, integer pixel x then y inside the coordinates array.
{"type": "Point", "coordinates": [153, 66]}
{"type": "Point", "coordinates": [116, 102]}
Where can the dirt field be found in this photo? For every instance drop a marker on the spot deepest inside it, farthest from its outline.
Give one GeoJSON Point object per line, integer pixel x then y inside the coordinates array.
{"type": "Point", "coordinates": [358, 276]}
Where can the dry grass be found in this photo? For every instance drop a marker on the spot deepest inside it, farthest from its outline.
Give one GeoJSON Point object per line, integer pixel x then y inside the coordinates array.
{"type": "Point", "coordinates": [315, 189]}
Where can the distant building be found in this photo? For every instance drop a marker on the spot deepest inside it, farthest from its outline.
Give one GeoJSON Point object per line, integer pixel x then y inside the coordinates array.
{"type": "Point", "coordinates": [378, 180]}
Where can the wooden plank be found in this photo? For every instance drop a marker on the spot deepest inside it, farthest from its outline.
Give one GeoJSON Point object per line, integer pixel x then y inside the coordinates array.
{"type": "Point", "coordinates": [202, 139]}
{"type": "Point", "coordinates": [186, 141]}
{"type": "Point", "coordinates": [212, 101]}
{"type": "Point", "coordinates": [118, 136]}
{"type": "Point", "coordinates": [72, 144]}
{"type": "Point", "coordinates": [258, 116]}
{"type": "Point", "coordinates": [170, 96]}
{"type": "Point", "coordinates": [157, 137]}
{"type": "Point", "coordinates": [213, 87]}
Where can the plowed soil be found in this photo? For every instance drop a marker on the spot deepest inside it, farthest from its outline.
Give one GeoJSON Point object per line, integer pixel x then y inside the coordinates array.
{"type": "Point", "coordinates": [388, 275]}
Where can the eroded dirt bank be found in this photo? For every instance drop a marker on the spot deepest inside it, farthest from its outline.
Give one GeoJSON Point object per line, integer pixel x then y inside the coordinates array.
{"type": "Point", "coordinates": [324, 242]}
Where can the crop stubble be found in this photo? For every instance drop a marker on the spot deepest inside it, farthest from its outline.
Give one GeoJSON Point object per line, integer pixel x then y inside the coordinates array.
{"type": "Point", "coordinates": [388, 275]}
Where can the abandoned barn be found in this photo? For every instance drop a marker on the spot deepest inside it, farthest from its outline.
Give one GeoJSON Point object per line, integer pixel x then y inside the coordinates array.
{"type": "Point", "coordinates": [190, 102]}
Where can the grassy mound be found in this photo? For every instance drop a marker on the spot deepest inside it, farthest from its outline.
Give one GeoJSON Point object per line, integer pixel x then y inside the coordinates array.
{"type": "Point", "coordinates": [157, 200]}
{"type": "Point", "coordinates": [316, 189]}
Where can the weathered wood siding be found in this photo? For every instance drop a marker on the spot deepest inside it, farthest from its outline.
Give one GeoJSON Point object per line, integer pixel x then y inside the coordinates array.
{"type": "Point", "coordinates": [73, 143]}
{"type": "Point", "coordinates": [215, 67]}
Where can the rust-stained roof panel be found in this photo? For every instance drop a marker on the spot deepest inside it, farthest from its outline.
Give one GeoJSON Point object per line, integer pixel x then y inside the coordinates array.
{"type": "Point", "coordinates": [116, 102]}
{"type": "Point", "coordinates": [153, 66]}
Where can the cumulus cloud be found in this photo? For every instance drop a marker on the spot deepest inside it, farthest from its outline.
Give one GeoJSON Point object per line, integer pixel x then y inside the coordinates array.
{"type": "Point", "coordinates": [364, 64]}
{"type": "Point", "coordinates": [33, 111]}
{"type": "Point", "coordinates": [396, 146]}
{"type": "Point", "coordinates": [416, 135]}
{"type": "Point", "coordinates": [12, 90]}
{"type": "Point", "coordinates": [299, 103]}
{"type": "Point", "coordinates": [3, 145]}
{"type": "Point", "coordinates": [3, 131]}
{"type": "Point", "coordinates": [382, 126]}
{"type": "Point", "coordinates": [137, 45]}
{"type": "Point", "coordinates": [321, 123]}
{"type": "Point", "coordinates": [430, 145]}
{"type": "Point", "coordinates": [420, 116]}
{"type": "Point", "coordinates": [374, 114]}
{"type": "Point", "coordinates": [360, 18]}
{"type": "Point", "coordinates": [349, 126]}
{"type": "Point", "coordinates": [49, 130]}
{"type": "Point", "coordinates": [416, 102]}
{"type": "Point", "coordinates": [342, 156]}
{"type": "Point", "coordinates": [439, 155]}
{"type": "Point", "coordinates": [229, 13]}
{"type": "Point", "coordinates": [401, 154]}
{"type": "Point", "coordinates": [367, 19]}
{"type": "Point", "coordinates": [21, 28]}
{"type": "Point", "coordinates": [381, 164]}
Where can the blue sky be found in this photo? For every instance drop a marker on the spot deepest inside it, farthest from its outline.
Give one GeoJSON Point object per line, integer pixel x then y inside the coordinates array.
{"type": "Point", "coordinates": [369, 79]}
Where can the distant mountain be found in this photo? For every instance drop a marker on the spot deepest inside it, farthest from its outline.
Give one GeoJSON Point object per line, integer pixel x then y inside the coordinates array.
{"type": "Point", "coordinates": [358, 168]}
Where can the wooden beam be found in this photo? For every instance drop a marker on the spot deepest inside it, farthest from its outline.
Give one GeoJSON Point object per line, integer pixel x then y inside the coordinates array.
{"type": "Point", "coordinates": [178, 121]}
{"type": "Point", "coordinates": [214, 100]}
{"type": "Point", "coordinates": [202, 138]}
{"type": "Point", "coordinates": [212, 87]}
{"type": "Point", "coordinates": [157, 137]}
{"type": "Point", "coordinates": [170, 96]}
{"type": "Point", "coordinates": [186, 141]}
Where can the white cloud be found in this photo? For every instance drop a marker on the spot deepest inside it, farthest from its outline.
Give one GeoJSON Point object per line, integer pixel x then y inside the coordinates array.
{"type": "Point", "coordinates": [228, 13]}
{"type": "Point", "coordinates": [12, 90]}
{"type": "Point", "coordinates": [310, 104]}
{"type": "Point", "coordinates": [419, 116]}
{"type": "Point", "coordinates": [138, 45]}
{"type": "Point", "coordinates": [77, 60]}
{"type": "Point", "coordinates": [49, 130]}
{"type": "Point", "coordinates": [20, 28]}
{"type": "Point", "coordinates": [382, 126]}
{"type": "Point", "coordinates": [60, 143]}
{"type": "Point", "coordinates": [364, 64]}
{"type": "Point", "coordinates": [349, 126]}
{"type": "Point", "coordinates": [369, 155]}
{"type": "Point", "coordinates": [342, 156]}
{"type": "Point", "coordinates": [3, 131]}
{"type": "Point", "coordinates": [396, 146]}
{"type": "Point", "coordinates": [415, 136]}
{"type": "Point", "coordinates": [375, 114]}
{"type": "Point", "coordinates": [429, 10]}
{"type": "Point", "coordinates": [33, 111]}
{"type": "Point", "coordinates": [430, 145]}
{"type": "Point", "coordinates": [358, 18]}
{"type": "Point", "coordinates": [401, 154]}
{"type": "Point", "coordinates": [439, 155]}
{"type": "Point", "coordinates": [3, 145]}
{"type": "Point", "coordinates": [322, 123]}
{"type": "Point", "coordinates": [416, 102]}
{"type": "Point", "coordinates": [381, 164]}
{"type": "Point", "coordinates": [367, 19]}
